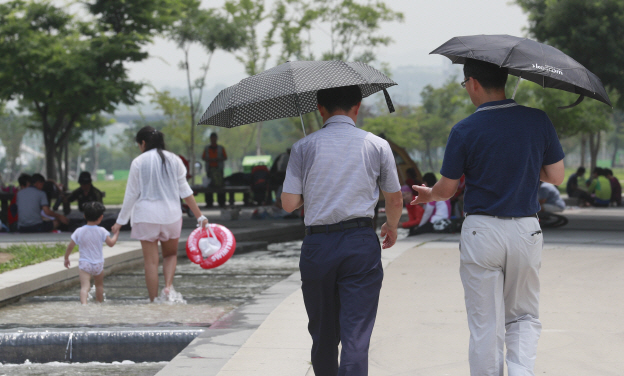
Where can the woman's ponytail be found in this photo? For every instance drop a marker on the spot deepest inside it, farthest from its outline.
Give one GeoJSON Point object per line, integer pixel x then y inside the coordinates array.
{"type": "Point", "coordinates": [154, 139]}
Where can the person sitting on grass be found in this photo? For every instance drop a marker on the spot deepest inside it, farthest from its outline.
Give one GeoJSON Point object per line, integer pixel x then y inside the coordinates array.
{"type": "Point", "coordinates": [31, 203]}
{"type": "Point", "coordinates": [600, 187]}
{"type": "Point", "coordinates": [89, 239]}
{"type": "Point", "coordinates": [86, 193]}
{"type": "Point", "coordinates": [616, 188]}
{"type": "Point", "coordinates": [437, 214]}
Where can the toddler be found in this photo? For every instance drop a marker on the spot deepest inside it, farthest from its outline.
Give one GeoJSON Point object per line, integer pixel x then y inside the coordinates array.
{"type": "Point", "coordinates": [89, 239]}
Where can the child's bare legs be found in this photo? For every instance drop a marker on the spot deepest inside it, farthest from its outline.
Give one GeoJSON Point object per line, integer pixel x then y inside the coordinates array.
{"type": "Point", "coordinates": [98, 280]}
{"type": "Point", "coordinates": [170, 261]}
{"type": "Point", "coordinates": [85, 285]}
{"type": "Point", "coordinates": [150, 258]}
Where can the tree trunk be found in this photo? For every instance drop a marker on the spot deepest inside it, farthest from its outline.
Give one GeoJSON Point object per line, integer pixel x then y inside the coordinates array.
{"type": "Point", "coordinates": [594, 146]}
{"type": "Point", "coordinates": [616, 145]}
{"type": "Point", "coordinates": [259, 139]}
{"type": "Point", "coordinates": [50, 158]}
{"type": "Point", "coordinates": [583, 149]}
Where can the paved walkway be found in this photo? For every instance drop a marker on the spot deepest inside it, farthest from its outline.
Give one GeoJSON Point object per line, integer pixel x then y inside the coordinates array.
{"type": "Point", "coordinates": [421, 326]}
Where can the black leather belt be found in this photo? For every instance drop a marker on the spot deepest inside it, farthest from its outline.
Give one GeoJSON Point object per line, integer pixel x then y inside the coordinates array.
{"type": "Point", "coordinates": [341, 226]}
{"type": "Point", "coordinates": [502, 217]}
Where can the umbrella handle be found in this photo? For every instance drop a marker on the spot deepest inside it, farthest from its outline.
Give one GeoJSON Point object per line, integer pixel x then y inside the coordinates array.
{"type": "Point", "coordinates": [579, 100]}
{"type": "Point", "coordinates": [516, 88]}
{"type": "Point", "coordinates": [299, 110]}
{"type": "Point", "coordinates": [388, 101]}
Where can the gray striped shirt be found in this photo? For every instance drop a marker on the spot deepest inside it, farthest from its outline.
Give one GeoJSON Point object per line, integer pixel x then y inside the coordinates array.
{"type": "Point", "coordinates": [339, 171]}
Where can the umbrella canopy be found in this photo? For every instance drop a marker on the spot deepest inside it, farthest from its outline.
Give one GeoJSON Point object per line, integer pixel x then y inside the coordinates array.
{"type": "Point", "coordinates": [289, 90]}
{"type": "Point", "coordinates": [529, 60]}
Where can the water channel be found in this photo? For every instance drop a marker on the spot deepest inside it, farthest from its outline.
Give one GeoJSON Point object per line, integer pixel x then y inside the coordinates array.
{"type": "Point", "coordinates": [209, 294]}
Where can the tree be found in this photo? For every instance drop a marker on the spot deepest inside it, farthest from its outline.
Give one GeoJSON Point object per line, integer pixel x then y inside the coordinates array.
{"type": "Point", "coordinates": [64, 69]}
{"type": "Point", "coordinates": [212, 31]}
{"type": "Point", "coordinates": [587, 120]}
{"type": "Point", "coordinates": [353, 28]}
{"type": "Point", "coordinates": [591, 32]}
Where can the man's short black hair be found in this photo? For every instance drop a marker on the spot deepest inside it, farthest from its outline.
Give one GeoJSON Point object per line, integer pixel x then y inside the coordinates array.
{"type": "Point", "coordinates": [580, 170]}
{"type": "Point", "coordinates": [214, 134]}
{"type": "Point", "coordinates": [23, 179]}
{"type": "Point", "coordinates": [37, 178]}
{"type": "Point", "coordinates": [608, 171]}
{"type": "Point", "coordinates": [430, 179]}
{"type": "Point", "coordinates": [489, 75]}
{"type": "Point", "coordinates": [93, 210]}
{"type": "Point", "coordinates": [343, 98]}
{"type": "Point", "coordinates": [598, 171]}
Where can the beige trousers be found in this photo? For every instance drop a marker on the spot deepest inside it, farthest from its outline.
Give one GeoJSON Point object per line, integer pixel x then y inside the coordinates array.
{"type": "Point", "coordinates": [499, 269]}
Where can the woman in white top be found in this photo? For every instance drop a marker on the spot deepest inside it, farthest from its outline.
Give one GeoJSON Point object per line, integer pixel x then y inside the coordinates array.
{"type": "Point", "coordinates": [155, 185]}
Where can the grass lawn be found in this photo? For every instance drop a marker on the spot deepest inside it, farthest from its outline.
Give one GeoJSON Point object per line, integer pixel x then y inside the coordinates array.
{"type": "Point", "coordinates": [115, 190]}
{"type": "Point", "coordinates": [28, 254]}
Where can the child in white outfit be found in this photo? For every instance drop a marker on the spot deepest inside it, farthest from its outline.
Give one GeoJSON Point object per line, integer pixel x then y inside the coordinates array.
{"type": "Point", "coordinates": [89, 239]}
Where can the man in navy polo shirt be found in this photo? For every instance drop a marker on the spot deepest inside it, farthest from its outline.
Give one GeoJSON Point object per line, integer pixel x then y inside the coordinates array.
{"type": "Point", "coordinates": [504, 150]}
{"type": "Point", "coordinates": [338, 171]}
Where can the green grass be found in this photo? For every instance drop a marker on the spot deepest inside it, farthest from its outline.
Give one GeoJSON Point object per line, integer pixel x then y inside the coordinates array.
{"type": "Point", "coordinates": [115, 190]}
{"type": "Point", "coordinates": [28, 254]}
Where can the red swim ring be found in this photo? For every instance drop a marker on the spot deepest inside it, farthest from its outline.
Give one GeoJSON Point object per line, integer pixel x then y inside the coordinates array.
{"type": "Point", "coordinates": [228, 245]}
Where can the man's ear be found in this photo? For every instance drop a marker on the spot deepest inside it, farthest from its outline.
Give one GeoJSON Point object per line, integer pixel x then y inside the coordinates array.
{"type": "Point", "coordinates": [321, 109]}
{"type": "Point", "coordinates": [357, 108]}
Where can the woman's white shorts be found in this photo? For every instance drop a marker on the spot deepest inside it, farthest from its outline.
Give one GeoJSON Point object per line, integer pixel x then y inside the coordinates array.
{"type": "Point", "coordinates": [152, 232]}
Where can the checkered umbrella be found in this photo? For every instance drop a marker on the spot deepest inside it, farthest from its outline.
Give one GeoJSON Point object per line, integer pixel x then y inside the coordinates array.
{"type": "Point", "coordinates": [530, 60]}
{"type": "Point", "coordinates": [289, 90]}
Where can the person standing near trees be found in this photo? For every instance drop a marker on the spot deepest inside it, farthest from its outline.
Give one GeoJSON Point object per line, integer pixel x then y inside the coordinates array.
{"type": "Point", "coordinates": [504, 150]}
{"type": "Point", "coordinates": [214, 155]}
{"type": "Point", "coordinates": [156, 182]}
{"type": "Point", "coordinates": [338, 171]}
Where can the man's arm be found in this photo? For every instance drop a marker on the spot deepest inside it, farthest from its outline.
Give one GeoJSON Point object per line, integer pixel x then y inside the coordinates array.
{"type": "Point", "coordinates": [443, 190]}
{"type": "Point", "coordinates": [394, 209]}
{"type": "Point", "coordinates": [553, 173]}
{"type": "Point", "coordinates": [291, 202]}
{"type": "Point", "coordinates": [61, 218]}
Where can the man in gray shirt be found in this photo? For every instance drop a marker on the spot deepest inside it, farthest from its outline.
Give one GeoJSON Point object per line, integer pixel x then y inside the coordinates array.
{"type": "Point", "coordinates": [30, 202]}
{"type": "Point", "coordinates": [338, 171]}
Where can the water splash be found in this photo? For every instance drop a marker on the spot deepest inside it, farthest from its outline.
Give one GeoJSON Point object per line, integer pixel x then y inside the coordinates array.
{"type": "Point", "coordinates": [91, 295]}
{"type": "Point", "coordinates": [70, 346]}
{"type": "Point", "coordinates": [170, 296]}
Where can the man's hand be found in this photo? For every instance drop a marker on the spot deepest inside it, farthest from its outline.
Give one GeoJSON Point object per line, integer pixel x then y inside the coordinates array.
{"type": "Point", "coordinates": [116, 228]}
{"type": "Point", "coordinates": [389, 234]}
{"type": "Point", "coordinates": [66, 263]}
{"type": "Point", "coordinates": [424, 195]}
{"type": "Point", "coordinates": [63, 219]}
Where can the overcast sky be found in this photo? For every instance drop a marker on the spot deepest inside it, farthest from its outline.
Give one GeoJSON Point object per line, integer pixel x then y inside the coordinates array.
{"type": "Point", "coordinates": [428, 24]}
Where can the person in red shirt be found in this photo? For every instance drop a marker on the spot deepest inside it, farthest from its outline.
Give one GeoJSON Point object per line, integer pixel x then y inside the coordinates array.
{"type": "Point", "coordinates": [214, 155]}
{"type": "Point", "coordinates": [24, 181]}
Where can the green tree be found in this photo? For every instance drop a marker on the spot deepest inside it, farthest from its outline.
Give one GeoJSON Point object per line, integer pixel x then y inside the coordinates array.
{"type": "Point", "coordinates": [591, 32]}
{"type": "Point", "coordinates": [64, 69]}
{"type": "Point", "coordinates": [212, 31]}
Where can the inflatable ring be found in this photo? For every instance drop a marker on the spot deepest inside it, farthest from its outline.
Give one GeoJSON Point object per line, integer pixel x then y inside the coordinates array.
{"type": "Point", "coordinates": [228, 245]}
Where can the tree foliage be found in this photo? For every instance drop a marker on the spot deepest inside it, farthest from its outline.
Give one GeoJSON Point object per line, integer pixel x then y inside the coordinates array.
{"type": "Point", "coordinates": [13, 128]}
{"type": "Point", "coordinates": [64, 69]}
{"type": "Point", "coordinates": [591, 32]}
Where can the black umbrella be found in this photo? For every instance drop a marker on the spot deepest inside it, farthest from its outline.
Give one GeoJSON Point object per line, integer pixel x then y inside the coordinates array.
{"type": "Point", "coordinates": [290, 90]}
{"type": "Point", "coordinates": [529, 60]}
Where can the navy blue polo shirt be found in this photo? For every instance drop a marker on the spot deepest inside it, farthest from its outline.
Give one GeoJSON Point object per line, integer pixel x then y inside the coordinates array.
{"type": "Point", "coordinates": [501, 149]}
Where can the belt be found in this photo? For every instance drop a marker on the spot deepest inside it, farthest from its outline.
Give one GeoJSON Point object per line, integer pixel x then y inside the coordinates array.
{"type": "Point", "coordinates": [502, 217]}
{"type": "Point", "coordinates": [340, 226]}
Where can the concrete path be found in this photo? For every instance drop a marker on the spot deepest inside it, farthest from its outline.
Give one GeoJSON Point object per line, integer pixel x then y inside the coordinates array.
{"type": "Point", "coordinates": [421, 326]}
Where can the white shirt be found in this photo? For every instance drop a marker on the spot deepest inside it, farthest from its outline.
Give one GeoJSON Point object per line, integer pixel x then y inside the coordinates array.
{"type": "Point", "coordinates": [153, 193]}
{"type": "Point", "coordinates": [89, 240]}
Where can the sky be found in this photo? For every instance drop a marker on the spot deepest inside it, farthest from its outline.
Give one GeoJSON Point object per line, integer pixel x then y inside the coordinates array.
{"type": "Point", "coordinates": [427, 25]}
